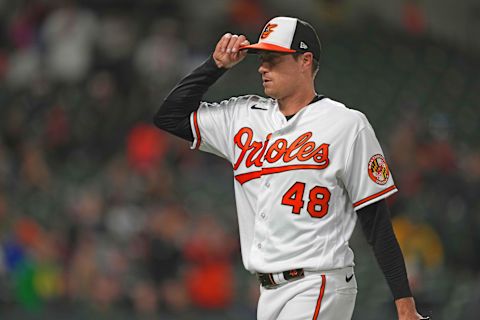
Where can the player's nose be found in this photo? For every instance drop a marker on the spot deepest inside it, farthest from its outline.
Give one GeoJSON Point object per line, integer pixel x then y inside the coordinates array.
{"type": "Point", "coordinates": [263, 68]}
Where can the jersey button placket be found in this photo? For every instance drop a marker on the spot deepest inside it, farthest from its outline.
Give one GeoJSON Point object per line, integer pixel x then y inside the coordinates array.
{"type": "Point", "coordinates": [261, 232]}
{"type": "Point", "coordinates": [261, 221]}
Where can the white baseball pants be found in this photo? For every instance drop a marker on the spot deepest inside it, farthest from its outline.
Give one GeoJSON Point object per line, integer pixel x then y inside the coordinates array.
{"type": "Point", "coordinates": [321, 295]}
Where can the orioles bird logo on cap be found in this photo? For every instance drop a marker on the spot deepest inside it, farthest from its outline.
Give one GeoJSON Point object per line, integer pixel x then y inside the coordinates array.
{"type": "Point", "coordinates": [268, 29]}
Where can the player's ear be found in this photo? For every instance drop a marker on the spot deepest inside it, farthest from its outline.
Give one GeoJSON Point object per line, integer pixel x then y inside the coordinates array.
{"type": "Point", "coordinates": [307, 61]}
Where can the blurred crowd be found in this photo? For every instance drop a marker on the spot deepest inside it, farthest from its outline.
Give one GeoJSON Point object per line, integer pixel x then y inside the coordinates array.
{"type": "Point", "coordinates": [103, 214]}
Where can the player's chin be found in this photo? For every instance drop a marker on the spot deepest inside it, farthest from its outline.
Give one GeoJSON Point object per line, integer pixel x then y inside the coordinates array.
{"type": "Point", "coordinates": [269, 92]}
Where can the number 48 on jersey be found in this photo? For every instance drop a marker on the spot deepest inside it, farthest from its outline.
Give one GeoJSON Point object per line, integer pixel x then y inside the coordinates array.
{"type": "Point", "coordinates": [318, 198]}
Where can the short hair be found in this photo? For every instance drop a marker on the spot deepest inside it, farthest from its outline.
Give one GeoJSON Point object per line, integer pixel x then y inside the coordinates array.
{"type": "Point", "coordinates": [315, 67]}
{"type": "Point", "coordinates": [315, 63]}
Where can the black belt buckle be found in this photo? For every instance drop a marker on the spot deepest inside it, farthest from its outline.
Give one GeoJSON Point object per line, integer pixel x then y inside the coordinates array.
{"type": "Point", "coordinates": [267, 281]}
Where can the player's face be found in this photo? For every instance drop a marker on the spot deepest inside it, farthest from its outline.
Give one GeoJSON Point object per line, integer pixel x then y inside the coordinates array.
{"type": "Point", "coordinates": [278, 72]}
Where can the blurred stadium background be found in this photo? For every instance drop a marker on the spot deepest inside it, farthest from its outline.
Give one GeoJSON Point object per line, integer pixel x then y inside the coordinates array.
{"type": "Point", "coordinates": [104, 217]}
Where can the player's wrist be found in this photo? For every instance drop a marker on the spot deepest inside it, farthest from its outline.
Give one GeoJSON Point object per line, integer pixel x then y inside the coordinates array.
{"type": "Point", "coordinates": [218, 63]}
{"type": "Point", "coordinates": [224, 63]}
{"type": "Point", "coordinates": [406, 308]}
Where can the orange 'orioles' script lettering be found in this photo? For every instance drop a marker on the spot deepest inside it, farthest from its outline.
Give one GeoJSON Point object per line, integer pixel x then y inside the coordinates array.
{"type": "Point", "coordinates": [253, 153]}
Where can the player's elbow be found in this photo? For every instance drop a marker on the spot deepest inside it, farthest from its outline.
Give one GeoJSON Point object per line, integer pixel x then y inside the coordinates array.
{"type": "Point", "coordinates": [172, 119]}
{"type": "Point", "coordinates": [161, 119]}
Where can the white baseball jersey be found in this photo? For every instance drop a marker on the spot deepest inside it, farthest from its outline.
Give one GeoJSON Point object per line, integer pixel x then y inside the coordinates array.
{"type": "Point", "coordinates": [297, 182]}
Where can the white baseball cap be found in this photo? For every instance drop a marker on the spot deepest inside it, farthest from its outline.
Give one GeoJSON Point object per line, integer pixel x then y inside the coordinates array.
{"type": "Point", "coordinates": [285, 34]}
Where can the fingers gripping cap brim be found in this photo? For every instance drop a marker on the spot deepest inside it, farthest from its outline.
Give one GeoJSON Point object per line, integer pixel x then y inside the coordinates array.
{"type": "Point", "coordinates": [263, 46]}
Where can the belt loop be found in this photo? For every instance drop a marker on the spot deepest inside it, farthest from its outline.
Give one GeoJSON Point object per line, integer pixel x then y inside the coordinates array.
{"type": "Point", "coordinates": [270, 276]}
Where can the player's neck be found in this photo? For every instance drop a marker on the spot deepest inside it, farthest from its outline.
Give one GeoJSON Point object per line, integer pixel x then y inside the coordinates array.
{"type": "Point", "coordinates": [292, 104]}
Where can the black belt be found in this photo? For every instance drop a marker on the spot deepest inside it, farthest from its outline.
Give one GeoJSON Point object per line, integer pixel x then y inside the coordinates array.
{"type": "Point", "coordinates": [272, 280]}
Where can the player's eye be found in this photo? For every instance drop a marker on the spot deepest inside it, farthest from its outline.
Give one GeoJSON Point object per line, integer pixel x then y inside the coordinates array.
{"type": "Point", "coordinates": [268, 57]}
{"type": "Point", "coordinates": [264, 58]}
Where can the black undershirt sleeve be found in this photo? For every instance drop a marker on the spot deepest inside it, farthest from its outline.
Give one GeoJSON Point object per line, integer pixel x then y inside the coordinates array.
{"type": "Point", "coordinates": [377, 227]}
{"type": "Point", "coordinates": [174, 113]}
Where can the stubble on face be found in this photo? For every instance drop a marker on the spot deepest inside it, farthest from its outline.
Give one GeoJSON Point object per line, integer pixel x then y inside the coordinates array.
{"type": "Point", "coordinates": [278, 74]}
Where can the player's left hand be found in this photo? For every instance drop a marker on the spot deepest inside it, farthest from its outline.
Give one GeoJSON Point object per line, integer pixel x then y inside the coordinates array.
{"type": "Point", "coordinates": [407, 311]}
{"type": "Point", "coordinates": [412, 316]}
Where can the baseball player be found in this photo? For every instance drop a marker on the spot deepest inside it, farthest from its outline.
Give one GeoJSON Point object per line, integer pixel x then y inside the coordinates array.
{"type": "Point", "coordinates": [305, 167]}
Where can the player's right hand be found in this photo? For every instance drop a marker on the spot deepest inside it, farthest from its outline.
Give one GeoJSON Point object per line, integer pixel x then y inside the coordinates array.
{"type": "Point", "coordinates": [227, 53]}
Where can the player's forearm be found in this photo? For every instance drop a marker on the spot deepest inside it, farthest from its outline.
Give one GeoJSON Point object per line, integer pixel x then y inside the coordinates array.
{"type": "Point", "coordinates": [173, 115]}
{"type": "Point", "coordinates": [376, 224]}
